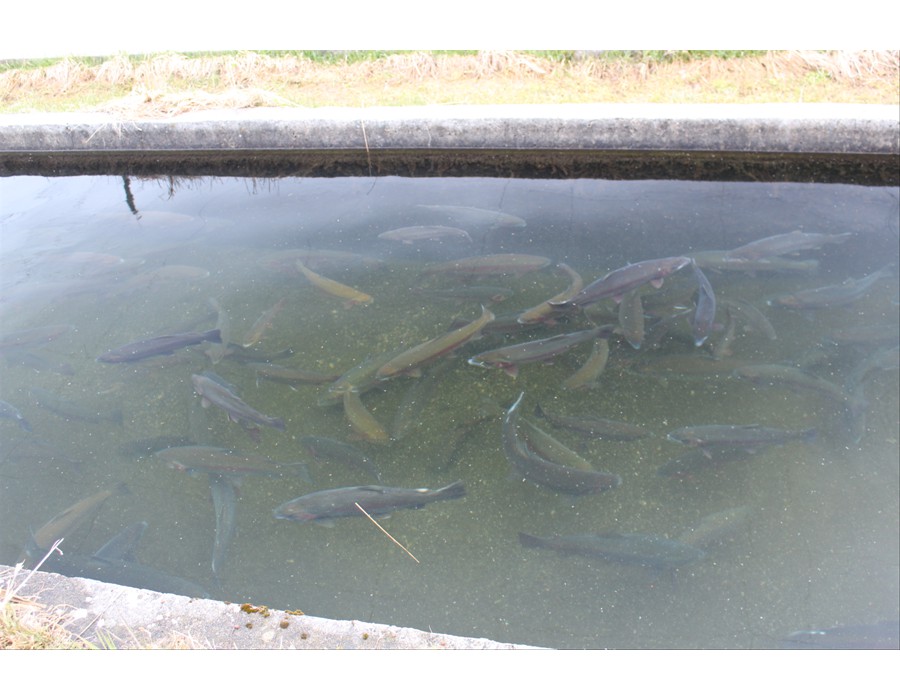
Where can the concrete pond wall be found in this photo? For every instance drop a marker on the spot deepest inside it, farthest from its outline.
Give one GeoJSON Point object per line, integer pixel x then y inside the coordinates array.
{"type": "Point", "coordinates": [823, 143]}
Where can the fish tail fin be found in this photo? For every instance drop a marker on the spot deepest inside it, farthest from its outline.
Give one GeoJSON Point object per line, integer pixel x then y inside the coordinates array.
{"type": "Point", "coordinates": [214, 336]}
{"type": "Point", "coordinates": [527, 540]}
{"type": "Point", "coordinates": [455, 490]}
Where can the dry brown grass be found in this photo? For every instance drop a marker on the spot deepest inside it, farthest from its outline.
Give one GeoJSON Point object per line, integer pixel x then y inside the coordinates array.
{"type": "Point", "coordinates": [169, 84]}
{"type": "Point", "coordinates": [25, 624]}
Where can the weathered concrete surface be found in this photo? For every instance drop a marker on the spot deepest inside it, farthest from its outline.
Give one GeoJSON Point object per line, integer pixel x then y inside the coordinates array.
{"type": "Point", "coordinates": [606, 140]}
{"type": "Point", "coordinates": [750, 128]}
{"type": "Point", "coordinates": [106, 615]}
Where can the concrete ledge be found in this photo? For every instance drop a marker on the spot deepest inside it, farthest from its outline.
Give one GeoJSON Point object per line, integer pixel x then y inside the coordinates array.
{"type": "Point", "coordinates": [747, 128]}
{"type": "Point", "coordinates": [525, 140]}
{"type": "Point", "coordinates": [136, 618]}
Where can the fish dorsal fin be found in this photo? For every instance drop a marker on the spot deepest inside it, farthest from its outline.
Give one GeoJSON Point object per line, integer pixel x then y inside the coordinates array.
{"type": "Point", "coordinates": [122, 546]}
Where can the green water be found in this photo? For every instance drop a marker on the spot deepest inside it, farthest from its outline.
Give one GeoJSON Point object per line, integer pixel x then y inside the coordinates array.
{"type": "Point", "coordinates": [819, 549]}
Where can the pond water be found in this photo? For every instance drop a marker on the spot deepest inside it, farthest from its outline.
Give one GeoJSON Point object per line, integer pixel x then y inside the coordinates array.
{"type": "Point", "coordinates": [809, 528]}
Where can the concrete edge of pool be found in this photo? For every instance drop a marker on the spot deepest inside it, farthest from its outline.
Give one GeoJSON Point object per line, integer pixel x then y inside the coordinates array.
{"type": "Point", "coordinates": [408, 140]}
{"type": "Point", "coordinates": [569, 140]}
{"type": "Point", "coordinates": [107, 614]}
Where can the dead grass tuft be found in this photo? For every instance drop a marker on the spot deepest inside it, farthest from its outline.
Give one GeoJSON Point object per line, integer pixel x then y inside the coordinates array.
{"type": "Point", "coordinates": [147, 104]}
{"type": "Point", "coordinates": [173, 83]}
{"type": "Point", "coordinates": [25, 624]}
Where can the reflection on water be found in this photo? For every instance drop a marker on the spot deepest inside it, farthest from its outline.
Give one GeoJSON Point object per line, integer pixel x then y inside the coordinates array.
{"type": "Point", "coordinates": [794, 532]}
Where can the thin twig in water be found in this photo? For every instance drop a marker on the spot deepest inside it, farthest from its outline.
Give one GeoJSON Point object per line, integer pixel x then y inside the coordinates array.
{"type": "Point", "coordinates": [366, 142]}
{"type": "Point", "coordinates": [363, 510]}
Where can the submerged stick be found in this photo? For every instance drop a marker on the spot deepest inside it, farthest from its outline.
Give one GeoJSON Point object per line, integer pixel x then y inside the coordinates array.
{"type": "Point", "coordinates": [363, 510]}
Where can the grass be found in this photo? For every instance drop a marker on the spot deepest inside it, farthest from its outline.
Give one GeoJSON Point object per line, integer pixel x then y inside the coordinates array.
{"type": "Point", "coordinates": [26, 624]}
{"type": "Point", "coordinates": [172, 83]}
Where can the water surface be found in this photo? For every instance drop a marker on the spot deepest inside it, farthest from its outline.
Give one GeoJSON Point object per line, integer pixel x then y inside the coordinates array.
{"type": "Point", "coordinates": [112, 264]}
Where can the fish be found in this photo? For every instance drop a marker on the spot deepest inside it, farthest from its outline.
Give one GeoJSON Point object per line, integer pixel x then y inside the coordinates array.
{"type": "Point", "coordinates": [785, 243]}
{"type": "Point", "coordinates": [833, 295]}
{"type": "Point", "coordinates": [867, 334]}
{"type": "Point", "coordinates": [410, 360]}
{"type": "Point", "coordinates": [224, 492]}
{"type": "Point", "coordinates": [350, 295]}
{"type": "Point", "coordinates": [716, 528]}
{"type": "Point", "coordinates": [30, 338]}
{"type": "Point", "coordinates": [880, 360]}
{"type": "Point", "coordinates": [325, 448]}
{"type": "Point", "coordinates": [705, 312]}
{"type": "Point", "coordinates": [124, 544]}
{"type": "Point", "coordinates": [214, 391]}
{"type": "Point", "coordinates": [631, 318]}
{"type": "Point", "coordinates": [548, 447]}
{"type": "Point", "coordinates": [263, 323]}
{"type": "Point", "coordinates": [37, 451]}
{"type": "Point", "coordinates": [650, 551]}
{"type": "Point", "coordinates": [721, 260]}
{"type": "Point", "coordinates": [160, 345]}
{"type": "Point", "coordinates": [509, 358]}
{"type": "Point", "coordinates": [63, 524]}
{"type": "Point", "coordinates": [798, 380]}
{"type": "Point", "coordinates": [539, 470]}
{"type": "Point", "coordinates": [748, 437]}
{"type": "Point", "coordinates": [753, 316]}
{"type": "Point", "coordinates": [38, 363]}
{"type": "Point", "coordinates": [289, 375]}
{"type": "Point", "coordinates": [615, 284]}
{"type": "Point", "coordinates": [359, 378]}
{"type": "Point", "coordinates": [323, 507]}
{"type": "Point", "coordinates": [722, 345]}
{"type": "Point", "coordinates": [497, 264]}
{"type": "Point", "coordinates": [207, 459]}
{"type": "Point", "coordinates": [144, 447]}
{"type": "Point", "coordinates": [7, 410]}
{"type": "Point", "coordinates": [702, 459]}
{"type": "Point", "coordinates": [81, 262]}
{"type": "Point", "coordinates": [688, 366]}
{"type": "Point", "coordinates": [413, 234]}
{"type": "Point", "coordinates": [664, 326]}
{"type": "Point", "coordinates": [76, 410]}
{"type": "Point", "coordinates": [595, 427]}
{"type": "Point", "coordinates": [217, 351]}
{"type": "Point", "coordinates": [476, 216]}
{"type": "Point", "coordinates": [586, 376]}
{"type": "Point", "coordinates": [545, 311]}
{"type": "Point", "coordinates": [115, 562]}
{"type": "Point", "coordinates": [362, 421]}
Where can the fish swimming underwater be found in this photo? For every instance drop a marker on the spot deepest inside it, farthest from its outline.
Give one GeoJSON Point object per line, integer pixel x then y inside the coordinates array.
{"type": "Point", "coordinates": [626, 548]}
{"type": "Point", "coordinates": [323, 507]}
{"type": "Point", "coordinates": [536, 468]}
{"type": "Point", "coordinates": [213, 390]}
{"type": "Point", "coordinates": [161, 345]}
